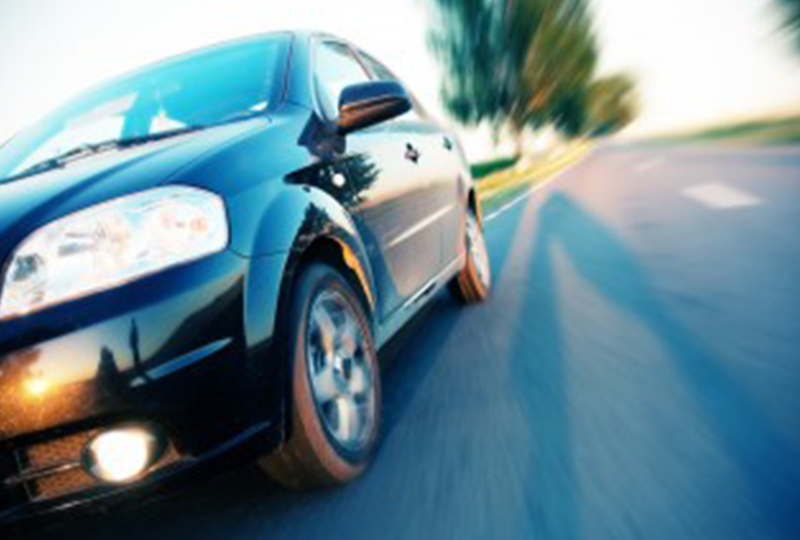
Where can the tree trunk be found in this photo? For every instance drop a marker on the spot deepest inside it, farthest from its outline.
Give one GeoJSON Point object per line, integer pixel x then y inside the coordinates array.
{"type": "Point", "coordinates": [519, 144]}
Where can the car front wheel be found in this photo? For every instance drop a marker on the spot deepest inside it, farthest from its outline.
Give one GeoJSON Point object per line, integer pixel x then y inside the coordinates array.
{"type": "Point", "coordinates": [335, 385]}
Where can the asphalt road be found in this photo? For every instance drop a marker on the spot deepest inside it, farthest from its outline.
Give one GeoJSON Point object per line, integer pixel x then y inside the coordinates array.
{"type": "Point", "coordinates": [636, 374]}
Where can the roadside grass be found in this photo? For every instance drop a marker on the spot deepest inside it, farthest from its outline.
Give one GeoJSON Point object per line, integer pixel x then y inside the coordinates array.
{"type": "Point", "coordinates": [758, 132]}
{"type": "Point", "coordinates": [485, 168]}
{"type": "Point", "coordinates": [503, 186]}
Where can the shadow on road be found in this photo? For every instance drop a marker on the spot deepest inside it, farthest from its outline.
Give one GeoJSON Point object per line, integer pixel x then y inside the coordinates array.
{"type": "Point", "coordinates": [768, 464]}
{"type": "Point", "coordinates": [539, 381]}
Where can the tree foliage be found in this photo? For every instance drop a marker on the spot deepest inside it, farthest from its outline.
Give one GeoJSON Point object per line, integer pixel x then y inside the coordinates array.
{"type": "Point", "coordinates": [522, 63]}
{"type": "Point", "coordinates": [792, 18]}
{"type": "Point", "coordinates": [611, 104]}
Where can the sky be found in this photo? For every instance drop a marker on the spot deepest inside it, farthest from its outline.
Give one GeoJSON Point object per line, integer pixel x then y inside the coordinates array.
{"type": "Point", "coordinates": [696, 61]}
{"type": "Point", "coordinates": [700, 61]}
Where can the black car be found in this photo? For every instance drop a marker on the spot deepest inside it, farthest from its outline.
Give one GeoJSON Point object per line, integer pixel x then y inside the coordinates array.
{"type": "Point", "coordinates": [204, 256]}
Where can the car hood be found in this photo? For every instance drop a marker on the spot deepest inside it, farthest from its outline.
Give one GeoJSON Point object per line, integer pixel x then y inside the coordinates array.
{"type": "Point", "coordinates": [28, 203]}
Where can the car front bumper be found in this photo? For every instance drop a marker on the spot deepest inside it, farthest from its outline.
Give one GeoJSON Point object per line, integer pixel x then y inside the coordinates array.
{"type": "Point", "coordinates": [172, 351]}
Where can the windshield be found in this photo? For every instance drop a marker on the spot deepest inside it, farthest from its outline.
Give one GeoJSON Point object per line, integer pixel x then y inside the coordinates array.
{"type": "Point", "coordinates": [190, 92]}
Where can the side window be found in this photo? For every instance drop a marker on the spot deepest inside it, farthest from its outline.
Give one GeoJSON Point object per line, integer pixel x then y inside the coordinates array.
{"type": "Point", "coordinates": [336, 68]}
{"type": "Point", "coordinates": [381, 72]}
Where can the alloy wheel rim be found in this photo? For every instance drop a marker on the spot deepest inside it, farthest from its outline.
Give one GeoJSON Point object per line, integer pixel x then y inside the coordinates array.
{"type": "Point", "coordinates": [476, 246]}
{"type": "Point", "coordinates": [339, 372]}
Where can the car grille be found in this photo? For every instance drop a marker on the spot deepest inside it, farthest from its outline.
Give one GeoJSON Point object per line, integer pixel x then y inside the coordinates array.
{"type": "Point", "coordinates": [10, 496]}
{"type": "Point", "coordinates": [53, 468]}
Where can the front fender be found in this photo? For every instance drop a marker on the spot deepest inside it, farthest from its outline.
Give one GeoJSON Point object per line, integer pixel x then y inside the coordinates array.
{"type": "Point", "coordinates": [289, 224]}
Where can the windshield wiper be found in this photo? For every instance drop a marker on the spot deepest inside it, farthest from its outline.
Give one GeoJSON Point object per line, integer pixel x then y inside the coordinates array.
{"type": "Point", "coordinates": [92, 149]}
{"type": "Point", "coordinates": [57, 161]}
{"type": "Point", "coordinates": [157, 136]}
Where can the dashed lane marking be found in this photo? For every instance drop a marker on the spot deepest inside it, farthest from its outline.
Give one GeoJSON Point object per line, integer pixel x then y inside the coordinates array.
{"type": "Point", "coordinates": [720, 196]}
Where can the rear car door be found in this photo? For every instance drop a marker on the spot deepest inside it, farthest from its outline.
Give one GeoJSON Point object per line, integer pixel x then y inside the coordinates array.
{"type": "Point", "coordinates": [383, 186]}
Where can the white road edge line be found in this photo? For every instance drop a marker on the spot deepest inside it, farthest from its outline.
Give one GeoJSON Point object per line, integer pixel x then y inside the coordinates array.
{"type": "Point", "coordinates": [534, 189]}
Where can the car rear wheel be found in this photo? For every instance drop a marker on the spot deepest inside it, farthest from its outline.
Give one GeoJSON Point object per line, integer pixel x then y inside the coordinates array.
{"type": "Point", "coordinates": [335, 385]}
{"type": "Point", "coordinates": [472, 284]}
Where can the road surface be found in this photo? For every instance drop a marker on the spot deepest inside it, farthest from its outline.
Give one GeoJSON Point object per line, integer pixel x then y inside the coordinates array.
{"type": "Point", "coordinates": [635, 375]}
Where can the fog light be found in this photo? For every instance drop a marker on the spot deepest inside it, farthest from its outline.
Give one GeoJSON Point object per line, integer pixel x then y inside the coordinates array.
{"type": "Point", "coordinates": [123, 454]}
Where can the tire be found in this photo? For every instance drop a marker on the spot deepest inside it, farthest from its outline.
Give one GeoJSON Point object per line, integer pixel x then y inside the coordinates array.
{"type": "Point", "coordinates": [473, 283]}
{"type": "Point", "coordinates": [322, 448]}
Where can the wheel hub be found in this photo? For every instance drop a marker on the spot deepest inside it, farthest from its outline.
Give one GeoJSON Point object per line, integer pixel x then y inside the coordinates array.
{"type": "Point", "coordinates": [339, 372]}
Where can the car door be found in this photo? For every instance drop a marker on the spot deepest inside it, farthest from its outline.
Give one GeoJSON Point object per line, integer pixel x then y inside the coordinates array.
{"type": "Point", "coordinates": [384, 187]}
{"type": "Point", "coordinates": [438, 162]}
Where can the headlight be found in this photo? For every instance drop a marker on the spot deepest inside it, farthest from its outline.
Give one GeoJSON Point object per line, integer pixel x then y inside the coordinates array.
{"type": "Point", "coordinates": [110, 244]}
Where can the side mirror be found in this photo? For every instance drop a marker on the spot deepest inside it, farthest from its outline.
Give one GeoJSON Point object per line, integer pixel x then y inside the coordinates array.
{"type": "Point", "coordinates": [366, 104]}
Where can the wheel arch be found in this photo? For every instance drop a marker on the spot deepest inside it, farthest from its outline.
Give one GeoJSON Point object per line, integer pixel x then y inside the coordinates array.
{"type": "Point", "coordinates": [337, 252]}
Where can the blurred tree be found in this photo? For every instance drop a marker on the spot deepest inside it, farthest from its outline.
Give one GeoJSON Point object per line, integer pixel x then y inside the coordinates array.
{"type": "Point", "coordinates": [792, 9]}
{"type": "Point", "coordinates": [610, 105]}
{"type": "Point", "coordinates": [559, 65]}
{"type": "Point", "coordinates": [516, 64]}
{"type": "Point", "coordinates": [469, 44]}
{"type": "Point", "coordinates": [570, 113]}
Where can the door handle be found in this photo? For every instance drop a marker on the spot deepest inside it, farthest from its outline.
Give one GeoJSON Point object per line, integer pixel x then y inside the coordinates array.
{"type": "Point", "coordinates": [412, 154]}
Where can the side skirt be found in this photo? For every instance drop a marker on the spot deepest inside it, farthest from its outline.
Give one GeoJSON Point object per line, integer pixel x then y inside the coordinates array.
{"type": "Point", "coordinates": [385, 331]}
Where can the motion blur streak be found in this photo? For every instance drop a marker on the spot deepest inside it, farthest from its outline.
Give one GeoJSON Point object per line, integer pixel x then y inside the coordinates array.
{"type": "Point", "coordinates": [523, 64]}
{"type": "Point", "coordinates": [630, 378]}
